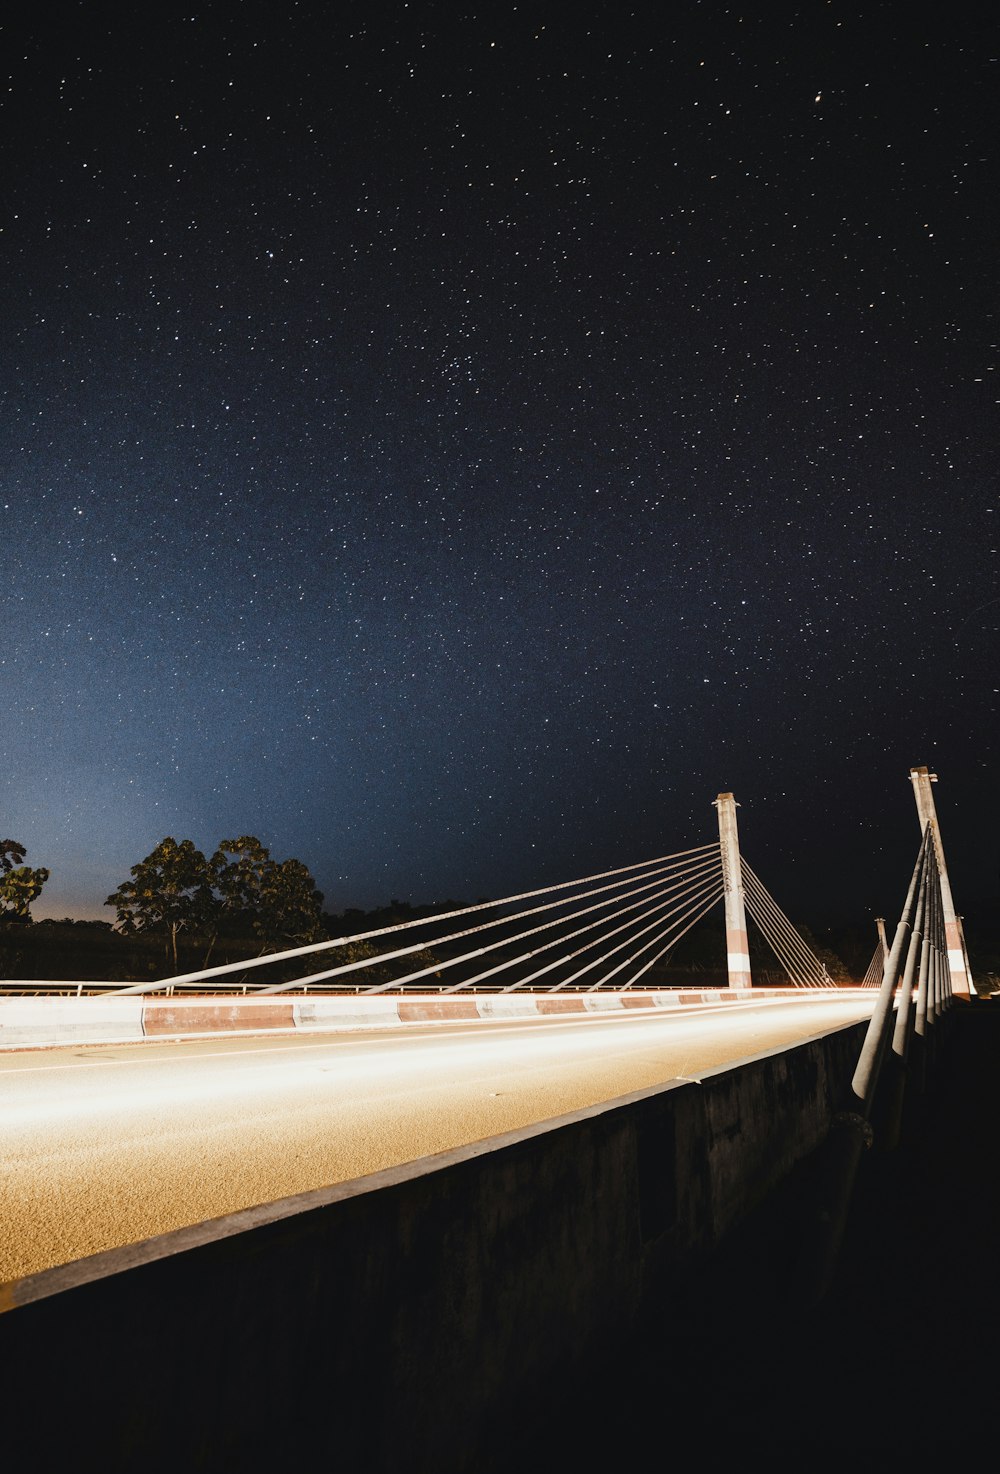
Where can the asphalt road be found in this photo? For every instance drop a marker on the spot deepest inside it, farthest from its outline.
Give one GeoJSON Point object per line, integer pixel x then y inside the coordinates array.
{"type": "Point", "coordinates": [103, 1146]}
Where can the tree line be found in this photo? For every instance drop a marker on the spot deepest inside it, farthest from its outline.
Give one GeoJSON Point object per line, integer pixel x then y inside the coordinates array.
{"type": "Point", "coordinates": [239, 890]}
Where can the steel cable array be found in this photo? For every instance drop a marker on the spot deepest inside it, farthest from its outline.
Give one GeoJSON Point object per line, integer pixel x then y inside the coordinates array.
{"type": "Point", "coordinates": [796, 957]}
{"type": "Point", "coordinates": [876, 968]}
{"type": "Point", "coordinates": [667, 895]}
{"type": "Point", "coordinates": [696, 885]}
{"type": "Point", "coordinates": [603, 931]}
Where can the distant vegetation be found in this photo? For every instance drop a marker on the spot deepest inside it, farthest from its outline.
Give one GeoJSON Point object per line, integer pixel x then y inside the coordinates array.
{"type": "Point", "coordinates": [177, 908]}
{"type": "Point", "coordinates": [181, 911]}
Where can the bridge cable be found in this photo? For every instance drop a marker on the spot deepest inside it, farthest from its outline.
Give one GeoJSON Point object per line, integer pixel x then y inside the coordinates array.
{"type": "Point", "coordinates": [184, 979]}
{"type": "Point", "coordinates": [763, 907]}
{"type": "Point", "coordinates": [876, 968]}
{"type": "Point", "coordinates": [808, 963]}
{"type": "Point", "coordinates": [439, 965]}
{"type": "Point", "coordinates": [798, 959]}
{"type": "Point", "coordinates": [715, 897]}
{"type": "Point", "coordinates": [711, 886]}
{"type": "Point", "coordinates": [569, 956]}
{"type": "Point", "coordinates": [693, 867]}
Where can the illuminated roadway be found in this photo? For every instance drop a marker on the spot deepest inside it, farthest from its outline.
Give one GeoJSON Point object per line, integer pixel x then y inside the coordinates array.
{"type": "Point", "coordinates": [103, 1146]}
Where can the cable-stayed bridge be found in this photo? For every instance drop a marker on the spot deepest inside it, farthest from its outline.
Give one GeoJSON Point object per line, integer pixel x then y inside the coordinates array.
{"type": "Point", "coordinates": [605, 932]}
{"type": "Point", "coordinates": [499, 1244]}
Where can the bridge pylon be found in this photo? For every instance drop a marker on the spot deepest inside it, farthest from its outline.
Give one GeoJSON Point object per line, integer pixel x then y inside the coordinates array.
{"type": "Point", "coordinates": [737, 946]}
{"type": "Point", "coordinates": [958, 962]}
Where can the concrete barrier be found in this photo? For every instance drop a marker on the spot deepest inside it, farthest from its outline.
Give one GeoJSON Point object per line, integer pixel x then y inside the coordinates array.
{"type": "Point", "coordinates": [345, 1013]}
{"type": "Point", "coordinates": [182, 1018]}
{"type": "Point", "coordinates": [104, 1019]}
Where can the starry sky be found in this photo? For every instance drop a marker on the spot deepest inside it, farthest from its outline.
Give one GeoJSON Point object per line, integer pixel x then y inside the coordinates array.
{"type": "Point", "coordinates": [453, 443]}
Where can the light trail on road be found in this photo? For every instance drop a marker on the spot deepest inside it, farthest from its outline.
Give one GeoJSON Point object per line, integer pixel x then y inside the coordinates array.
{"type": "Point", "coordinates": [103, 1146]}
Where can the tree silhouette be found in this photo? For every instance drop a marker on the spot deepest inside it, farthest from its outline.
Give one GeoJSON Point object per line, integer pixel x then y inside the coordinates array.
{"type": "Point", "coordinates": [19, 884]}
{"type": "Point", "coordinates": [277, 900]}
{"type": "Point", "coordinates": [240, 889]}
{"type": "Point", "coordinates": [170, 889]}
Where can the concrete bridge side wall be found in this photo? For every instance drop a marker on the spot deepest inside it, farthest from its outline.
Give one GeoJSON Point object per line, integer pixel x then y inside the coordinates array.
{"type": "Point", "coordinates": [404, 1328]}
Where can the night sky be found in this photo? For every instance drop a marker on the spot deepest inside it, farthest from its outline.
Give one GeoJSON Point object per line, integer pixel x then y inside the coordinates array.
{"type": "Point", "coordinates": [455, 443]}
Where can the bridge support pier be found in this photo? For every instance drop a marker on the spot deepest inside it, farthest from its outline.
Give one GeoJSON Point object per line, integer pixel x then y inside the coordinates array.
{"type": "Point", "coordinates": [737, 946]}
{"type": "Point", "coordinates": [958, 968]}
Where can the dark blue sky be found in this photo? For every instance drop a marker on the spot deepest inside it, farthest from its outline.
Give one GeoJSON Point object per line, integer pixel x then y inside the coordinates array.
{"type": "Point", "coordinates": [454, 445]}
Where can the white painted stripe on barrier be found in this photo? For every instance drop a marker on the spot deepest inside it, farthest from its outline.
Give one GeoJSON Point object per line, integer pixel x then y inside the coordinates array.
{"type": "Point", "coordinates": [601, 1002]}
{"type": "Point", "coordinates": [507, 1005]}
{"type": "Point", "coordinates": [205, 1002]}
{"type": "Point", "coordinates": [350, 1012]}
{"type": "Point", "coordinates": [41, 1021]}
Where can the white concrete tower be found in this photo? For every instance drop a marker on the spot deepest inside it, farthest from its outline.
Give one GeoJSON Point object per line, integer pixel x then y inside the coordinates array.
{"type": "Point", "coordinates": [958, 967]}
{"type": "Point", "coordinates": [737, 946]}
